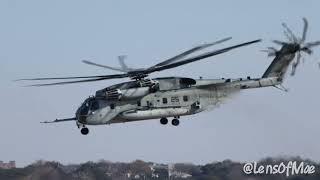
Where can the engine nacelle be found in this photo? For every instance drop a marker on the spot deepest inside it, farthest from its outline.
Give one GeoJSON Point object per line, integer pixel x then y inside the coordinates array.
{"type": "Point", "coordinates": [114, 94]}
{"type": "Point", "coordinates": [129, 91]}
{"type": "Point", "coordinates": [135, 93]}
{"type": "Point", "coordinates": [124, 94]}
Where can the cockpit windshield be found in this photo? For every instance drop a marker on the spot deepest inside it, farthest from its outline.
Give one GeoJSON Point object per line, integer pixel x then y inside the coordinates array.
{"type": "Point", "coordinates": [94, 105]}
{"type": "Point", "coordinates": [89, 105]}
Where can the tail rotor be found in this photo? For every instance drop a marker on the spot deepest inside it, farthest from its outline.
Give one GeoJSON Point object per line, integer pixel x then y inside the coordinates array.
{"type": "Point", "coordinates": [295, 44]}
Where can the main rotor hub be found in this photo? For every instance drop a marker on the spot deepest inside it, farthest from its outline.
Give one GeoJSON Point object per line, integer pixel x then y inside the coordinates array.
{"type": "Point", "coordinates": [137, 75]}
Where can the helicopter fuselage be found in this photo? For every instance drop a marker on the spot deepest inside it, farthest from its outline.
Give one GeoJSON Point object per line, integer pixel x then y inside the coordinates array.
{"type": "Point", "coordinates": [163, 98]}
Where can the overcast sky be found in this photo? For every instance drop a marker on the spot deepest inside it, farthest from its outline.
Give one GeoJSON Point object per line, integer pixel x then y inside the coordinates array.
{"type": "Point", "coordinates": [50, 38]}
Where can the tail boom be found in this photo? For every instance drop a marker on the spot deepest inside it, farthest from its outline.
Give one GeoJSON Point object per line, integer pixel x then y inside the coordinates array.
{"type": "Point", "coordinates": [259, 82]}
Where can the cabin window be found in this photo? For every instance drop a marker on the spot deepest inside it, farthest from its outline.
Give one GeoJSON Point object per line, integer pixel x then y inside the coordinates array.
{"type": "Point", "coordinates": [175, 99]}
{"type": "Point", "coordinates": [164, 100]}
{"type": "Point", "coordinates": [185, 98]}
{"type": "Point", "coordinates": [112, 106]}
{"type": "Point", "coordinates": [139, 103]}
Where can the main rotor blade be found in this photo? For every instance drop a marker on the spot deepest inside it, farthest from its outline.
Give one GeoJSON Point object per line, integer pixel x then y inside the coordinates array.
{"type": "Point", "coordinates": [305, 29]}
{"type": "Point", "coordinates": [123, 65]}
{"type": "Point", "coordinates": [184, 54]}
{"type": "Point", "coordinates": [104, 66]}
{"type": "Point", "coordinates": [81, 81]}
{"type": "Point", "coordinates": [197, 58]}
{"type": "Point", "coordinates": [60, 78]}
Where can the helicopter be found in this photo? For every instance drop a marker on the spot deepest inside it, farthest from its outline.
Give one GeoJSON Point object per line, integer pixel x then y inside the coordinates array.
{"type": "Point", "coordinates": [143, 98]}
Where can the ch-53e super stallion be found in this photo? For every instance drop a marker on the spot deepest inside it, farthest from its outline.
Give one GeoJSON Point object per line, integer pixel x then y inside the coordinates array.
{"type": "Point", "coordinates": [143, 98]}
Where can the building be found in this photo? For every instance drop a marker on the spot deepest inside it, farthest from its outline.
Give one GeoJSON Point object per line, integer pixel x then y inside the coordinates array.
{"type": "Point", "coordinates": [9, 165]}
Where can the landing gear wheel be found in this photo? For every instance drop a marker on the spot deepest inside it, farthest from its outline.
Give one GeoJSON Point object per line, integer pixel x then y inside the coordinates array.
{"type": "Point", "coordinates": [175, 122]}
{"type": "Point", "coordinates": [164, 121]}
{"type": "Point", "coordinates": [84, 131]}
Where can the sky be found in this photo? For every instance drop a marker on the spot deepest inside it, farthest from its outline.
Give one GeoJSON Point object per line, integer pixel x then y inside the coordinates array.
{"type": "Point", "coordinates": [50, 38]}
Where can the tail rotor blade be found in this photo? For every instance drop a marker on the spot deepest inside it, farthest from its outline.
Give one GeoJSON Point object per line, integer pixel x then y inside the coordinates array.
{"type": "Point", "coordinates": [295, 64]}
{"type": "Point", "coordinates": [272, 49]}
{"type": "Point", "coordinates": [305, 29]}
{"type": "Point", "coordinates": [295, 39]}
{"type": "Point", "coordinates": [288, 36]}
{"type": "Point", "coordinates": [312, 44]}
{"type": "Point", "coordinates": [281, 43]}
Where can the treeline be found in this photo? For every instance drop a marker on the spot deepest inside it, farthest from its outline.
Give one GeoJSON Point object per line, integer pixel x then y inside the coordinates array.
{"type": "Point", "coordinates": [105, 170]}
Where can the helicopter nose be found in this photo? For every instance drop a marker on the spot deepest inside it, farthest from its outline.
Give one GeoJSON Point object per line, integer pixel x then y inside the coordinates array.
{"type": "Point", "coordinates": [82, 119]}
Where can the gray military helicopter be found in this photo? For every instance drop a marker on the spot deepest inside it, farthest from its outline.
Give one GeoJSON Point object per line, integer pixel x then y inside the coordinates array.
{"type": "Point", "coordinates": [143, 98]}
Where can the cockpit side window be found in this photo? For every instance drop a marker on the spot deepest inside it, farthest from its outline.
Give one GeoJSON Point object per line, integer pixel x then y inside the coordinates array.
{"type": "Point", "coordinates": [84, 109]}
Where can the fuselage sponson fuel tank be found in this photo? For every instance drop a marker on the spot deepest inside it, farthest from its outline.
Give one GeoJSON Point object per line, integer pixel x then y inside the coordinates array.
{"type": "Point", "coordinates": [138, 89]}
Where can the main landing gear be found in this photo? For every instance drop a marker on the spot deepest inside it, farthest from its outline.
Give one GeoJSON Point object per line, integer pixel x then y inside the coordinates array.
{"type": "Point", "coordinates": [174, 122]}
{"type": "Point", "coordinates": [164, 121]}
